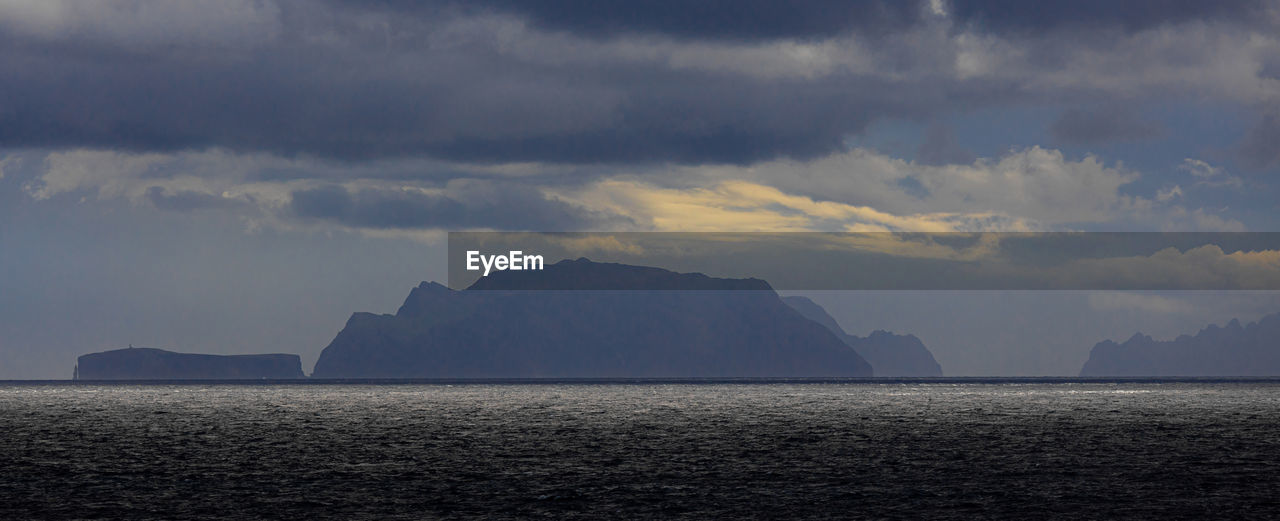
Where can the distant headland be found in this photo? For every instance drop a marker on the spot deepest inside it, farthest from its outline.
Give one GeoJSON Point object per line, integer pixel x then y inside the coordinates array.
{"type": "Point", "coordinates": [890, 354]}
{"type": "Point", "coordinates": [557, 322]}
{"type": "Point", "coordinates": [1232, 350]}
{"type": "Point", "coordinates": [650, 323]}
{"type": "Point", "coordinates": [140, 363]}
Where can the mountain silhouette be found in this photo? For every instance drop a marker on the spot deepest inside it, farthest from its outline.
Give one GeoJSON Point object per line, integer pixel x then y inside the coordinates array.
{"type": "Point", "coordinates": [557, 322]}
{"type": "Point", "coordinates": [1231, 350]}
{"type": "Point", "coordinates": [141, 363]}
{"type": "Point", "coordinates": [889, 354]}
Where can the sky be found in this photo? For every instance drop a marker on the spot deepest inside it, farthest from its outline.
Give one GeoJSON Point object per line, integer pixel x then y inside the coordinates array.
{"type": "Point", "coordinates": [238, 176]}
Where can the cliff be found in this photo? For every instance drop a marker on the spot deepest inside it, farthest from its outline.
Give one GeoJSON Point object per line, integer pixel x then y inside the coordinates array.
{"type": "Point", "coordinates": [1232, 350]}
{"type": "Point", "coordinates": [650, 323]}
{"type": "Point", "coordinates": [889, 354]}
{"type": "Point", "coordinates": [157, 364]}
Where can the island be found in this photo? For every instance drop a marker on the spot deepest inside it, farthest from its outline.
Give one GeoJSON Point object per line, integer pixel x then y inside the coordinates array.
{"type": "Point", "coordinates": [140, 363]}
{"type": "Point", "coordinates": [559, 323]}
{"type": "Point", "coordinates": [1231, 350]}
{"type": "Point", "coordinates": [888, 353]}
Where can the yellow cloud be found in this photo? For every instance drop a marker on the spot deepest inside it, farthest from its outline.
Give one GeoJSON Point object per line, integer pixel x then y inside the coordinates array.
{"type": "Point", "coordinates": [744, 206]}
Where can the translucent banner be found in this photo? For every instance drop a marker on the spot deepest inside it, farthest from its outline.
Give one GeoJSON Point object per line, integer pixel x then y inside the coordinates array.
{"type": "Point", "coordinates": [855, 261]}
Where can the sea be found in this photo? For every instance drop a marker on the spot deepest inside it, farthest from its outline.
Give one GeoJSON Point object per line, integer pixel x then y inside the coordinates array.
{"type": "Point", "coordinates": [642, 449]}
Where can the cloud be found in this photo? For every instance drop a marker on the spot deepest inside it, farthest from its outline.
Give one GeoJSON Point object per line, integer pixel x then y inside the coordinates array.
{"type": "Point", "coordinates": [1133, 15]}
{"type": "Point", "coordinates": [1209, 175]}
{"type": "Point", "coordinates": [738, 20]}
{"type": "Point", "coordinates": [857, 190]}
{"type": "Point", "coordinates": [747, 206]}
{"type": "Point", "coordinates": [107, 173]}
{"type": "Point", "coordinates": [1100, 125]}
{"type": "Point", "coordinates": [470, 205]}
{"type": "Point", "coordinates": [1204, 267]}
{"type": "Point", "coordinates": [940, 148]}
{"type": "Point", "coordinates": [143, 24]}
{"type": "Point", "coordinates": [187, 200]}
{"type": "Point", "coordinates": [1031, 189]}
{"type": "Point", "coordinates": [284, 192]}
{"type": "Point", "coordinates": [1261, 146]}
{"type": "Point", "coordinates": [1125, 301]}
{"type": "Point", "coordinates": [1200, 169]}
{"type": "Point", "coordinates": [356, 196]}
{"type": "Point", "coordinates": [576, 82]}
{"type": "Point", "coordinates": [757, 19]}
{"type": "Point", "coordinates": [1165, 195]}
{"type": "Point", "coordinates": [8, 162]}
{"type": "Point", "coordinates": [1035, 184]}
{"type": "Point", "coordinates": [1203, 220]}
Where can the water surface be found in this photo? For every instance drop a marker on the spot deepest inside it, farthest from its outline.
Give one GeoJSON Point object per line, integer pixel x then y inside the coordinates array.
{"type": "Point", "coordinates": [904, 450]}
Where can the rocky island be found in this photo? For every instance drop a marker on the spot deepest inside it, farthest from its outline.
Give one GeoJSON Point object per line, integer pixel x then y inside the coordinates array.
{"type": "Point", "coordinates": [555, 322]}
{"type": "Point", "coordinates": [1231, 350]}
{"type": "Point", "coordinates": [140, 363]}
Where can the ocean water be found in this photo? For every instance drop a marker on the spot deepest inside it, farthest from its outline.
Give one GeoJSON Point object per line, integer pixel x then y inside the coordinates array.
{"type": "Point", "coordinates": [657, 450]}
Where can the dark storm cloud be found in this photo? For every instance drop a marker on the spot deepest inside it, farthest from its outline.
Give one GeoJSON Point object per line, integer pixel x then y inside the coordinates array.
{"type": "Point", "coordinates": [1129, 15]}
{"type": "Point", "coordinates": [474, 107]}
{"type": "Point", "coordinates": [463, 81]}
{"type": "Point", "coordinates": [1100, 125]}
{"type": "Point", "coordinates": [700, 118]}
{"type": "Point", "coordinates": [358, 81]}
{"type": "Point", "coordinates": [512, 208]}
{"type": "Point", "coordinates": [766, 19]}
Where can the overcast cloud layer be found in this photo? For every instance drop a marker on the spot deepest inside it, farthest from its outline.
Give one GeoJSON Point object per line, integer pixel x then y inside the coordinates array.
{"type": "Point", "coordinates": [588, 82]}
{"type": "Point", "coordinates": [586, 91]}
{"type": "Point", "coordinates": [326, 122]}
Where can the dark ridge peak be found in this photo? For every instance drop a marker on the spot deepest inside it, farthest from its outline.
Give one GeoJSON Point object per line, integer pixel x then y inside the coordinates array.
{"type": "Point", "coordinates": [1231, 327]}
{"type": "Point", "coordinates": [1234, 326]}
{"type": "Point", "coordinates": [1138, 337]}
{"type": "Point", "coordinates": [584, 274]}
{"type": "Point", "coordinates": [430, 298]}
{"type": "Point", "coordinates": [884, 333]}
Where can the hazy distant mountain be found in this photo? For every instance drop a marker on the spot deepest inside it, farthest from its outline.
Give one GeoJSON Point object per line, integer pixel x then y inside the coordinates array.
{"type": "Point", "coordinates": [140, 363]}
{"type": "Point", "coordinates": [1234, 350]}
{"type": "Point", "coordinates": [726, 328]}
{"type": "Point", "coordinates": [888, 354]}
